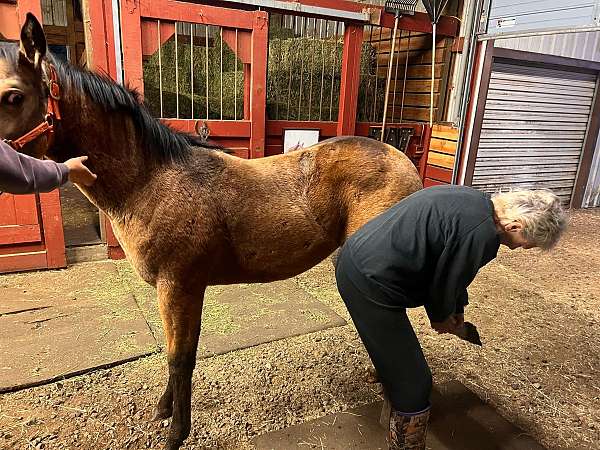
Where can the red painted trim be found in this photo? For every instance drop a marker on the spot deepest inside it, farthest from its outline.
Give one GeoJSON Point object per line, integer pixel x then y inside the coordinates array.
{"type": "Point", "coordinates": [189, 12]}
{"type": "Point", "coordinates": [276, 127]}
{"type": "Point", "coordinates": [353, 39]}
{"type": "Point", "coordinates": [114, 249]}
{"type": "Point", "coordinates": [258, 93]}
{"type": "Point", "coordinates": [103, 59]}
{"type": "Point", "coordinates": [438, 173]}
{"type": "Point", "coordinates": [116, 253]}
{"type": "Point", "coordinates": [20, 234]}
{"type": "Point", "coordinates": [22, 248]}
{"type": "Point", "coordinates": [25, 208]}
{"type": "Point", "coordinates": [420, 22]}
{"type": "Point", "coordinates": [22, 261]}
{"type": "Point", "coordinates": [426, 139]}
{"type": "Point", "coordinates": [428, 182]}
{"type": "Point", "coordinates": [244, 43]}
{"type": "Point", "coordinates": [131, 30]}
{"type": "Point", "coordinates": [32, 6]}
{"type": "Point", "coordinates": [150, 35]}
{"type": "Point", "coordinates": [9, 21]}
{"type": "Point", "coordinates": [247, 90]}
{"type": "Point", "coordinates": [217, 128]}
{"type": "Point", "coordinates": [54, 235]}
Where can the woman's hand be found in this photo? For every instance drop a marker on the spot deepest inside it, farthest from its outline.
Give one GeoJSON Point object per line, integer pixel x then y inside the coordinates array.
{"type": "Point", "coordinates": [78, 173]}
{"type": "Point", "coordinates": [454, 324]}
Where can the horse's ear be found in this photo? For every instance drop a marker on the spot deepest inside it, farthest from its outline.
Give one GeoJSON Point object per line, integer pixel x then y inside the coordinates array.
{"type": "Point", "coordinates": [33, 41]}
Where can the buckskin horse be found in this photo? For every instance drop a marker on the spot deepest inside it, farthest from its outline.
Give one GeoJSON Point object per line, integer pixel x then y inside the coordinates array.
{"type": "Point", "coordinates": [188, 216]}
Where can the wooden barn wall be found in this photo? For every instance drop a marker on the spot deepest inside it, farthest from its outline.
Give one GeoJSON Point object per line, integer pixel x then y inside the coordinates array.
{"type": "Point", "coordinates": [417, 85]}
{"type": "Point", "coordinates": [442, 152]}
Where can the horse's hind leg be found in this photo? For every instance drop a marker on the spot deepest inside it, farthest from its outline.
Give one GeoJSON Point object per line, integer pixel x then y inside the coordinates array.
{"type": "Point", "coordinates": [181, 312]}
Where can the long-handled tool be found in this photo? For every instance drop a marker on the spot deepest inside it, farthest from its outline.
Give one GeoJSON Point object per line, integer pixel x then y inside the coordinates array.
{"type": "Point", "coordinates": [399, 8]}
{"type": "Point", "coordinates": [434, 10]}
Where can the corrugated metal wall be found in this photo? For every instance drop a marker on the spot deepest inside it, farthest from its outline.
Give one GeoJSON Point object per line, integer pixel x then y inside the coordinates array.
{"type": "Point", "coordinates": [592, 193]}
{"type": "Point", "coordinates": [533, 129]}
{"type": "Point", "coordinates": [512, 16]}
{"type": "Point", "coordinates": [570, 45]}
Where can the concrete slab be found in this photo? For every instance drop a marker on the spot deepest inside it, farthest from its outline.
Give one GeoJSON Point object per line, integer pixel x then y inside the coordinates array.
{"type": "Point", "coordinates": [459, 421]}
{"type": "Point", "coordinates": [59, 324]}
{"type": "Point", "coordinates": [245, 315]}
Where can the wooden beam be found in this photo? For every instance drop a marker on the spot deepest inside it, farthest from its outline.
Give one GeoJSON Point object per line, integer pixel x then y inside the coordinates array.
{"type": "Point", "coordinates": [195, 13]}
{"type": "Point", "coordinates": [258, 92]}
{"type": "Point", "coordinates": [54, 235]}
{"type": "Point", "coordinates": [22, 261]}
{"type": "Point", "coordinates": [99, 39]}
{"type": "Point", "coordinates": [217, 128]}
{"type": "Point", "coordinates": [131, 25]}
{"type": "Point", "coordinates": [20, 234]}
{"type": "Point", "coordinates": [9, 22]}
{"type": "Point", "coordinates": [447, 26]}
{"type": "Point", "coordinates": [350, 82]}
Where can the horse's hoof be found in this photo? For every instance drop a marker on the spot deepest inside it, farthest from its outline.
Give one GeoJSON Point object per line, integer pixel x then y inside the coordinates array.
{"type": "Point", "coordinates": [162, 414]}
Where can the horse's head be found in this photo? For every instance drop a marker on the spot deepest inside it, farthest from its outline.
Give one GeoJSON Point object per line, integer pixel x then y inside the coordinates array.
{"type": "Point", "coordinates": [25, 88]}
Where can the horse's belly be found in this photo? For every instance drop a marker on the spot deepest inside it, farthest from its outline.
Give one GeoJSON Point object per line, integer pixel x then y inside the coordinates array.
{"type": "Point", "coordinates": [271, 253]}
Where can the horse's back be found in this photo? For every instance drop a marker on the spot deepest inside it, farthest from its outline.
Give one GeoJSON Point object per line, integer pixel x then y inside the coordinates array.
{"type": "Point", "coordinates": [366, 175]}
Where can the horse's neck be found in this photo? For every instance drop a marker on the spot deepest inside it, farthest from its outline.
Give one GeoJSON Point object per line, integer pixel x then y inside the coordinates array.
{"type": "Point", "coordinates": [112, 145]}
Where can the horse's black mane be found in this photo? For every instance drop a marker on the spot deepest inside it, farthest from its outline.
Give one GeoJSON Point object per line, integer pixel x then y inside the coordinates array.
{"type": "Point", "coordinates": [159, 140]}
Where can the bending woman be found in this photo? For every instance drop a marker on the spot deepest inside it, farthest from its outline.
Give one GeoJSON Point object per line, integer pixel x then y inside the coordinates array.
{"type": "Point", "coordinates": [425, 251]}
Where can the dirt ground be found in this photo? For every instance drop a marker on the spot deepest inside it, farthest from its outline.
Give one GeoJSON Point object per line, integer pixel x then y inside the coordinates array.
{"type": "Point", "coordinates": [538, 314]}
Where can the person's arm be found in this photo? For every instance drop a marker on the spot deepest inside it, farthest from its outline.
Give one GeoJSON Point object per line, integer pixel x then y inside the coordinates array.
{"type": "Point", "coordinates": [22, 174]}
{"type": "Point", "coordinates": [455, 271]}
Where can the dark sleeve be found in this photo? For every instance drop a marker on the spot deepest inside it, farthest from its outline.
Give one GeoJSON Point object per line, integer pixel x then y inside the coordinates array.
{"type": "Point", "coordinates": [22, 174]}
{"type": "Point", "coordinates": [455, 271]}
{"type": "Point", "coordinates": [461, 302]}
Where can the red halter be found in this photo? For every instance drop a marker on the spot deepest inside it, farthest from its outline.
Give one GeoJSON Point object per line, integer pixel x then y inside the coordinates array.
{"type": "Point", "coordinates": [50, 120]}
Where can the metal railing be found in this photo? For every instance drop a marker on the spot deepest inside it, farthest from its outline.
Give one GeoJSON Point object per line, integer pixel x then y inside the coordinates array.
{"type": "Point", "coordinates": [304, 68]}
{"type": "Point", "coordinates": [193, 71]}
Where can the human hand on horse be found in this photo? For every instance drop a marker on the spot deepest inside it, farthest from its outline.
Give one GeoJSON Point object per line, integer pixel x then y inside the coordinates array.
{"type": "Point", "coordinates": [79, 173]}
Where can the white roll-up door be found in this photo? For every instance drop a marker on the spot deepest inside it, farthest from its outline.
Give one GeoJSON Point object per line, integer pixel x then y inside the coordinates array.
{"type": "Point", "coordinates": [533, 130]}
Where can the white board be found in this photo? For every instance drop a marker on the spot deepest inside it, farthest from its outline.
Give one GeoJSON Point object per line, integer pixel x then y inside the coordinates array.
{"type": "Point", "coordinates": [297, 139]}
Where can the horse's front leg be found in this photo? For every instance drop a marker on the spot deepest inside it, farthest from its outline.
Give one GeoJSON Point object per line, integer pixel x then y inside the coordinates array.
{"type": "Point", "coordinates": [180, 311]}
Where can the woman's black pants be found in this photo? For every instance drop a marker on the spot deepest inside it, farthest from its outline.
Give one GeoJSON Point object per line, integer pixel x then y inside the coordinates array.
{"type": "Point", "coordinates": [391, 343]}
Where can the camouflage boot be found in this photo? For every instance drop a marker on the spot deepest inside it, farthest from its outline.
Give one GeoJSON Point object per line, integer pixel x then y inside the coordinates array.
{"type": "Point", "coordinates": [408, 431]}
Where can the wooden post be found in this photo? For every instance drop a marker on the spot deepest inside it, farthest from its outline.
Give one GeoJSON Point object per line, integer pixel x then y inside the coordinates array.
{"type": "Point", "coordinates": [131, 26]}
{"type": "Point", "coordinates": [99, 43]}
{"type": "Point", "coordinates": [258, 93]}
{"type": "Point", "coordinates": [54, 235]}
{"type": "Point", "coordinates": [100, 51]}
{"type": "Point", "coordinates": [353, 40]}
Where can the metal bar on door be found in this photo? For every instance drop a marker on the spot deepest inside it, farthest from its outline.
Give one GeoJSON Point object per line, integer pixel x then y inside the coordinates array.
{"type": "Point", "coordinates": [176, 73]}
{"type": "Point", "coordinates": [333, 67]}
{"type": "Point", "coordinates": [235, 77]}
{"type": "Point", "coordinates": [160, 84]}
{"type": "Point", "coordinates": [206, 42]}
{"type": "Point", "coordinates": [322, 65]}
{"type": "Point", "coordinates": [192, 25]}
{"type": "Point", "coordinates": [302, 35]}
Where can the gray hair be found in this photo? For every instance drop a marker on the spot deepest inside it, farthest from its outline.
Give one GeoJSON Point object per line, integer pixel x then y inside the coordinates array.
{"type": "Point", "coordinates": [540, 212]}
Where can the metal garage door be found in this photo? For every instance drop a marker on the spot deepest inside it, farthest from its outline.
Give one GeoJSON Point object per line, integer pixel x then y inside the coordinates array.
{"type": "Point", "coordinates": [534, 128]}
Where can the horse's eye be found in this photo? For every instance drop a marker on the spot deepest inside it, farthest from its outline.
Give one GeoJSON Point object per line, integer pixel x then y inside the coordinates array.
{"type": "Point", "coordinates": [13, 98]}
